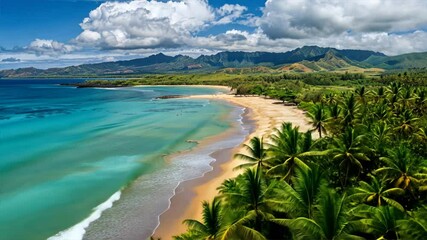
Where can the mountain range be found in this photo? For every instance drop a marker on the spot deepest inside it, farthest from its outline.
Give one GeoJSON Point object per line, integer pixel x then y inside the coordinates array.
{"type": "Point", "coordinates": [304, 59]}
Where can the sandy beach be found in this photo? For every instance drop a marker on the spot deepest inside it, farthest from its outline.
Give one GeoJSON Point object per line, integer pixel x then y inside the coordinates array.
{"type": "Point", "coordinates": [265, 115]}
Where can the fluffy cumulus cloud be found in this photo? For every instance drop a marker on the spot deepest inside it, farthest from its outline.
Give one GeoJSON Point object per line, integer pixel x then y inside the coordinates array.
{"type": "Point", "coordinates": [144, 27]}
{"type": "Point", "coordinates": [144, 24]}
{"type": "Point", "coordinates": [153, 24]}
{"type": "Point", "coordinates": [230, 13]}
{"type": "Point", "coordinates": [283, 25]}
{"type": "Point", "coordinates": [322, 18]}
{"type": "Point", "coordinates": [49, 47]}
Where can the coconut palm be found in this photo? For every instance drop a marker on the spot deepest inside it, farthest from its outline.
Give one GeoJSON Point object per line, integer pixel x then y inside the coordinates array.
{"type": "Point", "coordinates": [257, 154]}
{"type": "Point", "coordinates": [420, 101]}
{"type": "Point", "coordinates": [238, 228]}
{"type": "Point", "coordinates": [329, 220]}
{"type": "Point", "coordinates": [334, 111]}
{"type": "Point", "coordinates": [333, 123]}
{"type": "Point", "coordinates": [407, 123]}
{"type": "Point", "coordinates": [330, 98]}
{"type": "Point", "coordinates": [350, 110]}
{"type": "Point", "coordinates": [382, 222]}
{"type": "Point", "coordinates": [251, 203]}
{"type": "Point", "coordinates": [381, 112]}
{"type": "Point", "coordinates": [415, 227]}
{"type": "Point", "coordinates": [376, 192]}
{"type": "Point", "coordinates": [212, 223]}
{"type": "Point", "coordinates": [381, 135]}
{"type": "Point", "coordinates": [349, 151]}
{"type": "Point", "coordinates": [394, 91]}
{"type": "Point", "coordinates": [406, 97]}
{"type": "Point", "coordinates": [379, 94]}
{"type": "Point", "coordinates": [228, 186]}
{"type": "Point", "coordinates": [318, 118]}
{"type": "Point", "coordinates": [298, 198]}
{"type": "Point", "coordinates": [404, 170]}
{"type": "Point", "coordinates": [287, 149]}
{"type": "Point", "coordinates": [361, 94]}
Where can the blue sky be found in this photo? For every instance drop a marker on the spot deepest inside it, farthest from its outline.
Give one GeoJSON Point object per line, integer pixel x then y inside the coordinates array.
{"type": "Point", "coordinates": [50, 33]}
{"type": "Point", "coordinates": [22, 21]}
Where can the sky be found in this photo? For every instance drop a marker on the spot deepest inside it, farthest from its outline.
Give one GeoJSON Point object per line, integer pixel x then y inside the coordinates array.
{"type": "Point", "coordinates": [56, 33]}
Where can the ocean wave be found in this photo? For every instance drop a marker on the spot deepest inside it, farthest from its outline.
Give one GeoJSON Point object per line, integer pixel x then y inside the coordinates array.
{"type": "Point", "coordinates": [77, 231]}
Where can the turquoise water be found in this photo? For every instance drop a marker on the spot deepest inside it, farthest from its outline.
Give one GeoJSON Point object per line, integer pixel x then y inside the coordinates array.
{"type": "Point", "coordinates": [65, 151]}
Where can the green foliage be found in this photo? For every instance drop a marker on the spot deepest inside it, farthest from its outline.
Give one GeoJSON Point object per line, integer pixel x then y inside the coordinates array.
{"type": "Point", "coordinates": [372, 149]}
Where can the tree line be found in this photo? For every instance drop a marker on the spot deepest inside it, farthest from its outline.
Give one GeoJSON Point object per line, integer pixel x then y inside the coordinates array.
{"type": "Point", "coordinates": [363, 177]}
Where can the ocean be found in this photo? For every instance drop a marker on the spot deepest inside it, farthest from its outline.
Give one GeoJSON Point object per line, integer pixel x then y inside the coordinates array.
{"type": "Point", "coordinates": [90, 163]}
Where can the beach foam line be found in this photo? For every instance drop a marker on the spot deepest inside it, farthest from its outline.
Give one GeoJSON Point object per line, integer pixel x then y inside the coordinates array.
{"type": "Point", "coordinates": [77, 231]}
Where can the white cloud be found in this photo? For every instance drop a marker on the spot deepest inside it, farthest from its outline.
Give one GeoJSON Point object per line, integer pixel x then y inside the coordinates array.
{"type": "Point", "coordinates": [153, 24]}
{"type": "Point", "coordinates": [390, 44]}
{"type": "Point", "coordinates": [229, 13]}
{"type": "Point", "coordinates": [322, 18]}
{"type": "Point", "coordinates": [144, 24]}
{"type": "Point", "coordinates": [132, 29]}
{"type": "Point", "coordinates": [49, 47]}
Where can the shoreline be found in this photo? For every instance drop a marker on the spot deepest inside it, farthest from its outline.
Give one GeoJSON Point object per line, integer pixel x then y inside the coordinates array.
{"type": "Point", "coordinates": [263, 115]}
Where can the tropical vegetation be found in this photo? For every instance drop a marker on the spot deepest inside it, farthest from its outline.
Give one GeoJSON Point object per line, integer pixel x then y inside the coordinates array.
{"type": "Point", "coordinates": [359, 173]}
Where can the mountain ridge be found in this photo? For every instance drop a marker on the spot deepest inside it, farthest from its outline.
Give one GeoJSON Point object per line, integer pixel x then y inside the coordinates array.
{"type": "Point", "coordinates": [307, 58]}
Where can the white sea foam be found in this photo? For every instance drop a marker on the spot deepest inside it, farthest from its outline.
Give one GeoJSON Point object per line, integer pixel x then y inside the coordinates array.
{"type": "Point", "coordinates": [107, 88]}
{"type": "Point", "coordinates": [77, 231]}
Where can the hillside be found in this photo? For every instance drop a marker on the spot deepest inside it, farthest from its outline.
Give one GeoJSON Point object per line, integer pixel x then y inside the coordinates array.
{"type": "Point", "coordinates": [410, 60]}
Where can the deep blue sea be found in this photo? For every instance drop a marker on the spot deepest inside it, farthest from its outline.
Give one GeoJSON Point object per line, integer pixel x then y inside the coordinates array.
{"type": "Point", "coordinates": [90, 162]}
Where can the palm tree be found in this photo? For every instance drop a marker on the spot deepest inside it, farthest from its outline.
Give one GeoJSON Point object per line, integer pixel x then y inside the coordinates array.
{"type": "Point", "coordinates": [377, 193]}
{"type": "Point", "coordinates": [349, 151]}
{"type": "Point", "coordinates": [334, 111]}
{"type": "Point", "coordinates": [250, 202]}
{"type": "Point", "coordinates": [407, 123]}
{"type": "Point", "coordinates": [415, 227]}
{"type": "Point", "coordinates": [330, 98]}
{"type": "Point", "coordinates": [212, 223]}
{"type": "Point", "coordinates": [228, 186]}
{"type": "Point", "coordinates": [333, 123]}
{"type": "Point", "coordinates": [383, 222]}
{"type": "Point", "coordinates": [298, 198]}
{"type": "Point", "coordinates": [380, 136]}
{"type": "Point", "coordinates": [394, 92]}
{"type": "Point", "coordinates": [420, 101]}
{"type": "Point", "coordinates": [289, 146]}
{"type": "Point", "coordinates": [329, 222]}
{"type": "Point", "coordinates": [257, 154]}
{"type": "Point", "coordinates": [361, 94]}
{"type": "Point", "coordinates": [403, 170]}
{"type": "Point", "coordinates": [350, 110]}
{"type": "Point", "coordinates": [318, 118]}
{"type": "Point", "coordinates": [379, 94]}
{"type": "Point", "coordinates": [407, 97]}
{"type": "Point", "coordinates": [381, 112]}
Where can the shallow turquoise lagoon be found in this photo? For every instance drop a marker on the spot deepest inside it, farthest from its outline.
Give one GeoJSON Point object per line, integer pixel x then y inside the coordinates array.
{"type": "Point", "coordinates": [64, 151]}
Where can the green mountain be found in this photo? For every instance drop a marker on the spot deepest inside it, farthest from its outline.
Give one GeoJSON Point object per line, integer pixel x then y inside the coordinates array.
{"type": "Point", "coordinates": [330, 61]}
{"type": "Point", "coordinates": [307, 58]}
{"type": "Point", "coordinates": [405, 61]}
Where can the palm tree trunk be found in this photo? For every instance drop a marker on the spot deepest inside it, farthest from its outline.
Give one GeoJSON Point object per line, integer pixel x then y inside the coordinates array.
{"type": "Point", "coordinates": [340, 178]}
{"type": "Point", "coordinates": [346, 175]}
